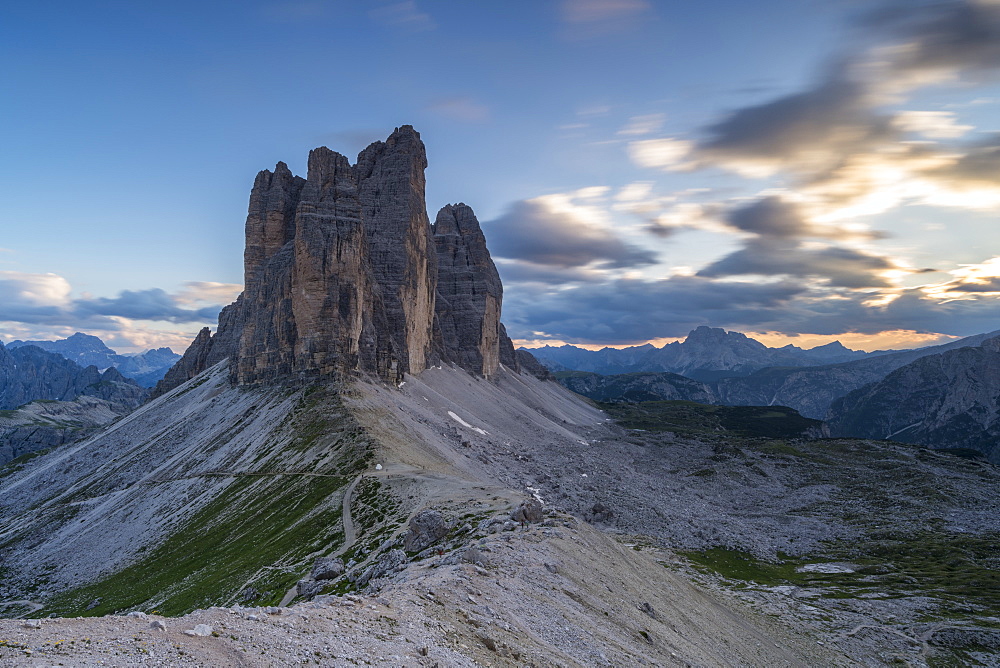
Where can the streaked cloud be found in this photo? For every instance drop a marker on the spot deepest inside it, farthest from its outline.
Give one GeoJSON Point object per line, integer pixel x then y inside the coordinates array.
{"type": "Point", "coordinates": [569, 230]}
{"type": "Point", "coordinates": [634, 311]}
{"type": "Point", "coordinates": [404, 16]}
{"type": "Point", "coordinates": [643, 125]}
{"type": "Point", "coordinates": [631, 310]}
{"type": "Point", "coordinates": [524, 271]}
{"type": "Point", "coordinates": [601, 11]}
{"type": "Point", "coordinates": [208, 292]}
{"type": "Point", "coordinates": [932, 124]}
{"type": "Point", "coordinates": [935, 41]}
{"type": "Point", "coordinates": [584, 19]}
{"type": "Point", "coordinates": [835, 265]}
{"type": "Point", "coordinates": [664, 153]}
{"type": "Point", "coordinates": [463, 109]}
{"type": "Point", "coordinates": [46, 299]}
{"type": "Point", "coordinates": [971, 281]}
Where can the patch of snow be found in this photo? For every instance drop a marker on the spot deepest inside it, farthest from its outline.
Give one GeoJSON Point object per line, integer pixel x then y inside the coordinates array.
{"type": "Point", "coordinates": [536, 493]}
{"type": "Point", "coordinates": [466, 424]}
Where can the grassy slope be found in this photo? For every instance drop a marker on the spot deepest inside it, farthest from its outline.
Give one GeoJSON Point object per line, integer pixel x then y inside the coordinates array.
{"type": "Point", "coordinates": [254, 540]}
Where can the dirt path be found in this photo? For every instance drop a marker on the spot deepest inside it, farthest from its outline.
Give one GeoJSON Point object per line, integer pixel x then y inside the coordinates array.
{"type": "Point", "coordinates": [31, 605]}
{"type": "Point", "coordinates": [349, 534]}
{"type": "Point", "coordinates": [437, 486]}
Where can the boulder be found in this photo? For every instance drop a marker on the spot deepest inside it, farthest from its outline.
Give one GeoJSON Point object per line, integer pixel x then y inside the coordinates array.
{"type": "Point", "coordinates": [327, 568]}
{"type": "Point", "coordinates": [426, 528]}
{"type": "Point", "coordinates": [529, 511]}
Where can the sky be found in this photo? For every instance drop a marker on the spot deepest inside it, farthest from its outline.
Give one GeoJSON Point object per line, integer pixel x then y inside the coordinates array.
{"type": "Point", "coordinates": [798, 170]}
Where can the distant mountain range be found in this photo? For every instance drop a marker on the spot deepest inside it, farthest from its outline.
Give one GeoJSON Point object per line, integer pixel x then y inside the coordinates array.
{"type": "Point", "coordinates": [145, 368]}
{"type": "Point", "coordinates": [707, 354]}
{"type": "Point", "coordinates": [47, 400]}
{"type": "Point", "coordinates": [945, 396]}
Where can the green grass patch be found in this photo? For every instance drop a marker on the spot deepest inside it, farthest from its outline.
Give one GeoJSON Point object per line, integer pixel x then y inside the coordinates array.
{"type": "Point", "coordinates": [16, 464]}
{"type": "Point", "coordinates": [959, 572]}
{"type": "Point", "coordinates": [260, 526]}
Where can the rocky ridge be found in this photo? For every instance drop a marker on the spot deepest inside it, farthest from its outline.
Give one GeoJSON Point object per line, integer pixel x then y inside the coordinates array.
{"type": "Point", "coordinates": [42, 425]}
{"type": "Point", "coordinates": [948, 400]}
{"type": "Point", "coordinates": [636, 387]}
{"type": "Point", "coordinates": [28, 373]}
{"type": "Point", "coordinates": [344, 274]}
{"type": "Point", "coordinates": [146, 368]}
{"type": "Point", "coordinates": [810, 390]}
{"type": "Point", "coordinates": [47, 400]}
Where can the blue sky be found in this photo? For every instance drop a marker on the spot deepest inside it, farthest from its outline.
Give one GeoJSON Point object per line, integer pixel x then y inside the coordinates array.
{"type": "Point", "coordinates": [797, 170]}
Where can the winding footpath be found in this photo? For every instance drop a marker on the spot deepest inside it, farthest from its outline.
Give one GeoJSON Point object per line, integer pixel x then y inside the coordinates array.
{"type": "Point", "coordinates": [349, 534]}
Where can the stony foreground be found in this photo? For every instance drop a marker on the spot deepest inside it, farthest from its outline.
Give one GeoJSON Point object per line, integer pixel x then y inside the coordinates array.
{"type": "Point", "coordinates": [539, 595]}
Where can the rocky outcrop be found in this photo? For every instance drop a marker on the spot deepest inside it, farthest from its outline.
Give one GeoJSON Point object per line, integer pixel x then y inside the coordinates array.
{"type": "Point", "coordinates": [191, 363]}
{"type": "Point", "coordinates": [309, 310]}
{"type": "Point", "coordinates": [950, 400]}
{"type": "Point", "coordinates": [344, 274]}
{"type": "Point", "coordinates": [469, 292]}
{"type": "Point", "coordinates": [528, 364]}
{"type": "Point", "coordinates": [426, 528]}
{"type": "Point", "coordinates": [390, 179]}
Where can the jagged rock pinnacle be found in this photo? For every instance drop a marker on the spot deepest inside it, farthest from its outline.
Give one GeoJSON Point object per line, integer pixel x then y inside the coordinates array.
{"type": "Point", "coordinates": [344, 273]}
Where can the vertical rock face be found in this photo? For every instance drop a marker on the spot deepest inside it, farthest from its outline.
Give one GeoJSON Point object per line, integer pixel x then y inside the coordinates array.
{"type": "Point", "coordinates": [390, 179]}
{"type": "Point", "coordinates": [342, 275]}
{"type": "Point", "coordinates": [271, 216]}
{"type": "Point", "coordinates": [469, 292]}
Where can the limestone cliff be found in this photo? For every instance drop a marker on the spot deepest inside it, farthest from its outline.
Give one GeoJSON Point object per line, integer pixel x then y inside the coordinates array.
{"type": "Point", "coordinates": [390, 178]}
{"type": "Point", "coordinates": [469, 292]}
{"type": "Point", "coordinates": [343, 274]}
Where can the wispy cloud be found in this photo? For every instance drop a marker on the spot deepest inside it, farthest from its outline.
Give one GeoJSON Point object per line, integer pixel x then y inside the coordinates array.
{"type": "Point", "coordinates": [46, 299]}
{"type": "Point", "coordinates": [460, 108]}
{"type": "Point", "coordinates": [643, 125]}
{"type": "Point", "coordinates": [566, 231]}
{"type": "Point", "coordinates": [838, 143]}
{"type": "Point", "coordinates": [208, 292]}
{"type": "Point", "coordinates": [404, 16]}
{"type": "Point", "coordinates": [592, 18]}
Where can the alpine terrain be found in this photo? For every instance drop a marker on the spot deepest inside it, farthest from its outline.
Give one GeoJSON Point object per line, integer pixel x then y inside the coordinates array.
{"type": "Point", "coordinates": [357, 468]}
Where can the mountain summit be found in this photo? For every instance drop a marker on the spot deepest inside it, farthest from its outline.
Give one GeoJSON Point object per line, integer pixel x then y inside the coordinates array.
{"type": "Point", "coordinates": [344, 273]}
